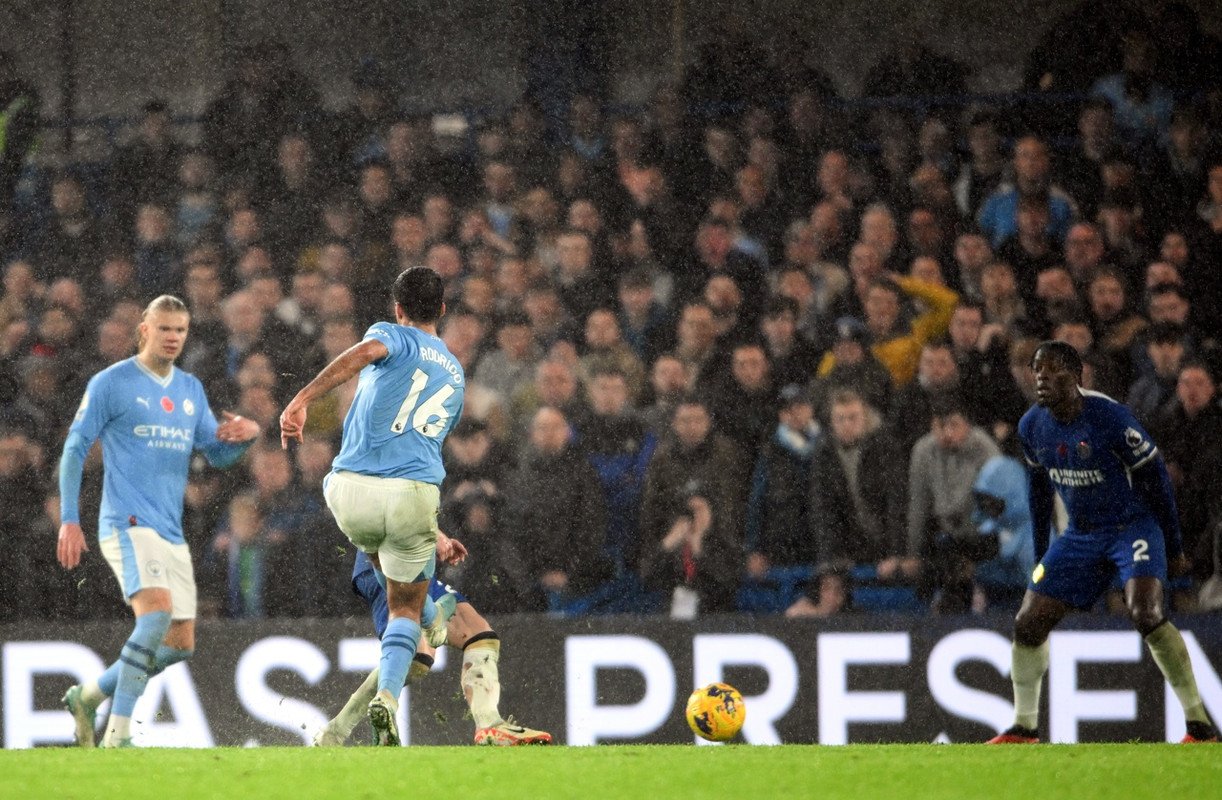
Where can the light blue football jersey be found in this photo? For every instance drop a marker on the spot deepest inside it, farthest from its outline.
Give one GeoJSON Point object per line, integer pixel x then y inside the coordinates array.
{"type": "Point", "coordinates": [405, 405]}
{"type": "Point", "coordinates": [149, 427]}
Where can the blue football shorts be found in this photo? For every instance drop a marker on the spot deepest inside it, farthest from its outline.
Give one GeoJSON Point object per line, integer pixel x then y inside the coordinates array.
{"type": "Point", "coordinates": [1080, 566]}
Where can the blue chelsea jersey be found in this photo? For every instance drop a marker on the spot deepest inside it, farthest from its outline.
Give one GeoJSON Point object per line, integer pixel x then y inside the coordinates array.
{"type": "Point", "coordinates": [405, 405]}
{"type": "Point", "coordinates": [1089, 460]}
{"type": "Point", "coordinates": [149, 426]}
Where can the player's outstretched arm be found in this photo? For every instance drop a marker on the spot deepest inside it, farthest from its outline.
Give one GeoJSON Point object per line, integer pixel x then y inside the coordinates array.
{"type": "Point", "coordinates": [342, 369]}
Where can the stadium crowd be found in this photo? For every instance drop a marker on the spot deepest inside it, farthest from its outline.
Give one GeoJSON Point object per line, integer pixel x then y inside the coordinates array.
{"type": "Point", "coordinates": [749, 348]}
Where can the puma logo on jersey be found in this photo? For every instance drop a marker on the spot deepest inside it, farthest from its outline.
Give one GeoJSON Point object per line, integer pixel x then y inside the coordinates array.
{"type": "Point", "coordinates": [144, 401]}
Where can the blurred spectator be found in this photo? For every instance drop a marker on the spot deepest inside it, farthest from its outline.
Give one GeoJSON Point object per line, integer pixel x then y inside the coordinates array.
{"type": "Point", "coordinates": [941, 474]}
{"type": "Point", "coordinates": [619, 447]}
{"type": "Point", "coordinates": [1002, 513]}
{"type": "Point", "coordinates": [156, 256]}
{"type": "Point", "coordinates": [145, 169]}
{"type": "Point", "coordinates": [1029, 250]}
{"type": "Point", "coordinates": [475, 464]}
{"type": "Point", "coordinates": [1141, 102]}
{"type": "Point", "coordinates": [1188, 430]}
{"type": "Point", "coordinates": [744, 405]}
{"type": "Point", "coordinates": [196, 206]}
{"type": "Point", "coordinates": [1174, 179]}
{"type": "Point", "coordinates": [778, 528]}
{"type": "Point", "coordinates": [857, 500]}
{"type": "Point", "coordinates": [554, 385]}
{"type": "Point", "coordinates": [1080, 170]}
{"type": "Point", "coordinates": [1164, 348]}
{"type": "Point", "coordinates": [793, 358]}
{"type": "Point", "coordinates": [912, 405]}
{"type": "Point", "coordinates": [980, 175]}
{"type": "Point", "coordinates": [855, 367]}
{"type": "Point", "coordinates": [69, 243]}
{"type": "Point", "coordinates": [555, 513]}
{"type": "Point", "coordinates": [508, 367]}
{"type": "Point", "coordinates": [263, 98]}
{"type": "Point", "coordinates": [1114, 323]}
{"type": "Point", "coordinates": [606, 347]}
{"type": "Point", "coordinates": [643, 320]}
{"type": "Point", "coordinates": [691, 541]}
{"type": "Point", "coordinates": [241, 549]}
{"type": "Point", "coordinates": [22, 572]}
{"type": "Point", "coordinates": [496, 577]}
{"type": "Point", "coordinates": [670, 381]}
{"type": "Point", "coordinates": [984, 376]}
{"type": "Point", "coordinates": [998, 217]}
{"type": "Point", "coordinates": [896, 343]}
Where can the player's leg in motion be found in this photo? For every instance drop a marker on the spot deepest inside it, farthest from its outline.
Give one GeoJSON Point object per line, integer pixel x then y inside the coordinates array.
{"type": "Point", "coordinates": [1036, 618]}
{"type": "Point", "coordinates": [1144, 598]}
{"type": "Point", "coordinates": [371, 587]}
{"type": "Point", "coordinates": [152, 608]}
{"type": "Point", "coordinates": [158, 640]}
{"type": "Point", "coordinates": [406, 601]}
{"type": "Point", "coordinates": [481, 684]}
{"type": "Point", "coordinates": [83, 700]}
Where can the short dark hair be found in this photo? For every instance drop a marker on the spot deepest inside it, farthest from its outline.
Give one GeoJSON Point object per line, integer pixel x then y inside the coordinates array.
{"type": "Point", "coordinates": [971, 304]}
{"type": "Point", "coordinates": [1063, 352]}
{"type": "Point", "coordinates": [776, 306]}
{"type": "Point", "coordinates": [1165, 333]}
{"type": "Point", "coordinates": [947, 404]}
{"type": "Point", "coordinates": [1164, 288]}
{"type": "Point", "coordinates": [420, 292]}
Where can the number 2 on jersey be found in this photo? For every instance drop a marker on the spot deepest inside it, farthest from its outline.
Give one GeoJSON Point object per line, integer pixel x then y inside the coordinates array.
{"type": "Point", "coordinates": [431, 407]}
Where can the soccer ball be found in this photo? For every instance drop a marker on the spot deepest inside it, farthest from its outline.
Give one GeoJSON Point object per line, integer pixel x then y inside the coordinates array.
{"type": "Point", "coordinates": [716, 712]}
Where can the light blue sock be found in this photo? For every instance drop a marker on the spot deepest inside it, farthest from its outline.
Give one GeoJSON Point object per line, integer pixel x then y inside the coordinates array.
{"type": "Point", "coordinates": [109, 679]}
{"type": "Point", "coordinates": [136, 660]}
{"type": "Point", "coordinates": [429, 613]}
{"type": "Point", "coordinates": [167, 656]}
{"type": "Point", "coordinates": [398, 646]}
{"type": "Point", "coordinates": [164, 657]}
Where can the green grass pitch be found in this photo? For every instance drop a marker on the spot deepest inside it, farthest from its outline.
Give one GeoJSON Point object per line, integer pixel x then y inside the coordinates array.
{"type": "Point", "coordinates": [653, 772]}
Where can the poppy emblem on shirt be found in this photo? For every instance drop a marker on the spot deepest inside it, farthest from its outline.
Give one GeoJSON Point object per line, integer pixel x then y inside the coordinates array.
{"type": "Point", "coordinates": [1062, 450]}
{"type": "Point", "coordinates": [188, 407]}
{"type": "Point", "coordinates": [167, 405]}
{"type": "Point", "coordinates": [1083, 450]}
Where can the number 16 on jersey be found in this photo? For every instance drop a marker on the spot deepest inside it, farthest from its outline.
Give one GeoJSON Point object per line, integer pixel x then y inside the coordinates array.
{"type": "Point", "coordinates": [431, 416]}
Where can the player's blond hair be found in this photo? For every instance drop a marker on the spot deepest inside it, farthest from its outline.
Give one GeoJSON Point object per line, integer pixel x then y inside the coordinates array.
{"type": "Point", "coordinates": [165, 303]}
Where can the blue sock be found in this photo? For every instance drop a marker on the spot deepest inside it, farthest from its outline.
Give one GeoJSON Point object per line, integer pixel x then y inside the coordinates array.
{"type": "Point", "coordinates": [398, 646]}
{"type": "Point", "coordinates": [136, 660]}
{"type": "Point", "coordinates": [381, 579]}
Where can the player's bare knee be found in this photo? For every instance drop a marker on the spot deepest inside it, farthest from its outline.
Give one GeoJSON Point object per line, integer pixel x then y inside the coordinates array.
{"type": "Point", "coordinates": [1147, 617]}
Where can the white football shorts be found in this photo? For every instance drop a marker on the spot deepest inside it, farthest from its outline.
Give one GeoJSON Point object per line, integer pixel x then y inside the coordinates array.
{"type": "Point", "coordinates": [141, 559]}
{"type": "Point", "coordinates": [396, 518]}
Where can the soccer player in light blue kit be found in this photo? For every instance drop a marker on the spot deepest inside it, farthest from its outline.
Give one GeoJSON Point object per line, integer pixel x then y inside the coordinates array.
{"type": "Point", "coordinates": [1091, 451]}
{"type": "Point", "coordinates": [150, 417]}
{"type": "Point", "coordinates": [384, 485]}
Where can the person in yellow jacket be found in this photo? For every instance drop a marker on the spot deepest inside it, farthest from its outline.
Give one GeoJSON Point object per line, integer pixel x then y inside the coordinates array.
{"type": "Point", "coordinates": [896, 344]}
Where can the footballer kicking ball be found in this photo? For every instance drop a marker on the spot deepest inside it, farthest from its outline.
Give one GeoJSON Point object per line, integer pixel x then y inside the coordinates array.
{"type": "Point", "coordinates": [716, 712]}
